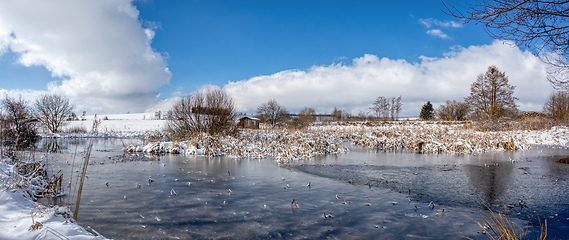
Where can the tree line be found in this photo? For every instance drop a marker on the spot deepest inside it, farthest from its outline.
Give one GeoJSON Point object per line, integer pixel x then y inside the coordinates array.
{"type": "Point", "coordinates": [492, 99]}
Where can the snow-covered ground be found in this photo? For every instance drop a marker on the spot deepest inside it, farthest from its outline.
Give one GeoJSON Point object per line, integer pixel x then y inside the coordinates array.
{"type": "Point", "coordinates": [21, 218]}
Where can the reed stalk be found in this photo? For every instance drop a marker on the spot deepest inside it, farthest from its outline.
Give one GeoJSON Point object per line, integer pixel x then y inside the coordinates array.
{"type": "Point", "coordinates": [499, 226]}
{"type": "Point", "coordinates": [82, 178]}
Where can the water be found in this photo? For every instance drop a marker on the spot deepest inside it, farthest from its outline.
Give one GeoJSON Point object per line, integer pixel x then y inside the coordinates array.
{"type": "Point", "coordinates": [227, 198]}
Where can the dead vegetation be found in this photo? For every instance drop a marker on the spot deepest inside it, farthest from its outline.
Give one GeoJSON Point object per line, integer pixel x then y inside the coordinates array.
{"type": "Point", "coordinates": [500, 226]}
{"type": "Point", "coordinates": [288, 144]}
{"type": "Point", "coordinates": [425, 137]}
{"type": "Point", "coordinates": [32, 177]}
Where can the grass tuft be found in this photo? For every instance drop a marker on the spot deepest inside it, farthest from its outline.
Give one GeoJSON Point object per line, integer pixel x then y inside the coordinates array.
{"type": "Point", "coordinates": [499, 226]}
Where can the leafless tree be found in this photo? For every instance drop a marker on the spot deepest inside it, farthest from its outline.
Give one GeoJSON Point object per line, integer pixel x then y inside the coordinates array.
{"type": "Point", "coordinates": [491, 95]}
{"type": "Point", "coordinates": [52, 109]}
{"type": "Point", "coordinates": [337, 114]}
{"type": "Point", "coordinates": [453, 111]}
{"type": "Point", "coordinates": [272, 113]}
{"type": "Point", "coordinates": [307, 115]}
{"type": "Point", "coordinates": [384, 107]}
{"type": "Point", "coordinates": [397, 107]}
{"type": "Point", "coordinates": [557, 105]}
{"type": "Point", "coordinates": [540, 25]}
{"type": "Point", "coordinates": [363, 115]}
{"type": "Point", "coordinates": [18, 121]}
{"type": "Point", "coordinates": [377, 106]}
{"type": "Point", "coordinates": [207, 111]}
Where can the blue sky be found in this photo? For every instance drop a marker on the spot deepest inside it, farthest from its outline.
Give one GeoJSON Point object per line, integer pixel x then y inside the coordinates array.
{"type": "Point", "coordinates": [218, 41]}
{"type": "Point", "coordinates": [117, 56]}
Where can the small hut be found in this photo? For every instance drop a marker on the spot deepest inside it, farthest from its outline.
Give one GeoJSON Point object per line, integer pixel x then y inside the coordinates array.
{"type": "Point", "coordinates": [249, 122]}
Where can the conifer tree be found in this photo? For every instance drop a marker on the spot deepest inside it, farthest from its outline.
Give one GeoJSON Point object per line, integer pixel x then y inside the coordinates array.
{"type": "Point", "coordinates": [427, 111]}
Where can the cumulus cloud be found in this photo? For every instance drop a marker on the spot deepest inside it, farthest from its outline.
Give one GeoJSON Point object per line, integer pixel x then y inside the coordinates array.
{"type": "Point", "coordinates": [438, 33]}
{"type": "Point", "coordinates": [26, 94]}
{"type": "Point", "coordinates": [353, 87]}
{"type": "Point", "coordinates": [99, 49]}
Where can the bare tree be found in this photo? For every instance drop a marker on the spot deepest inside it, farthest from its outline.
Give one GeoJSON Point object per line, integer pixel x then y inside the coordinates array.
{"type": "Point", "coordinates": [307, 115]}
{"type": "Point", "coordinates": [377, 106]}
{"type": "Point", "coordinates": [18, 120]}
{"type": "Point", "coordinates": [207, 111]}
{"type": "Point", "coordinates": [542, 26]}
{"type": "Point", "coordinates": [52, 109]}
{"type": "Point", "coordinates": [272, 113]}
{"type": "Point", "coordinates": [383, 107]}
{"type": "Point", "coordinates": [453, 111]}
{"type": "Point", "coordinates": [491, 95]}
{"type": "Point", "coordinates": [557, 105]}
{"type": "Point", "coordinates": [397, 106]}
{"type": "Point", "coordinates": [337, 114]}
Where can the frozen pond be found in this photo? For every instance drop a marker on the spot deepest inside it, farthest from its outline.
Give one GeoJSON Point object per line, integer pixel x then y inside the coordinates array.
{"type": "Point", "coordinates": [367, 194]}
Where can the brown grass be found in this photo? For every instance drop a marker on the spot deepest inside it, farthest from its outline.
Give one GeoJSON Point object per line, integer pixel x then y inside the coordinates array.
{"type": "Point", "coordinates": [499, 226]}
{"type": "Point", "coordinates": [82, 178]}
{"type": "Point", "coordinates": [75, 129]}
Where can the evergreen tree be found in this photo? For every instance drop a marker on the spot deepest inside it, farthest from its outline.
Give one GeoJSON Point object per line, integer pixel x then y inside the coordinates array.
{"type": "Point", "coordinates": [427, 111]}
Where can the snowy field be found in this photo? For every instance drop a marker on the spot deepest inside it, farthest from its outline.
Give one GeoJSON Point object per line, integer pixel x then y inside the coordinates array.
{"type": "Point", "coordinates": [19, 215]}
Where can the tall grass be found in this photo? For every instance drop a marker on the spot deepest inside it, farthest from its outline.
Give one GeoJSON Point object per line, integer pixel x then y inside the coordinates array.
{"type": "Point", "coordinates": [499, 226]}
{"type": "Point", "coordinates": [81, 177]}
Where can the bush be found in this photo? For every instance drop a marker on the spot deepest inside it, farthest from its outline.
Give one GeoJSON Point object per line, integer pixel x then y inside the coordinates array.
{"type": "Point", "coordinates": [18, 124]}
{"type": "Point", "coordinates": [207, 111]}
{"type": "Point", "coordinates": [453, 111]}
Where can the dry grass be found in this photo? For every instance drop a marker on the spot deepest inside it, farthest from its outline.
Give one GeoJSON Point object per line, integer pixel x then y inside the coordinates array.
{"type": "Point", "coordinates": [81, 177]}
{"type": "Point", "coordinates": [286, 144]}
{"type": "Point", "coordinates": [499, 226]}
{"type": "Point", "coordinates": [281, 144]}
{"type": "Point", "coordinates": [426, 137]}
{"type": "Point", "coordinates": [32, 177]}
{"type": "Point", "coordinates": [75, 130]}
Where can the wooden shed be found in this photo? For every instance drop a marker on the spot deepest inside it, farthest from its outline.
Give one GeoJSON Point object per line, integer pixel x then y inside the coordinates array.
{"type": "Point", "coordinates": [249, 122]}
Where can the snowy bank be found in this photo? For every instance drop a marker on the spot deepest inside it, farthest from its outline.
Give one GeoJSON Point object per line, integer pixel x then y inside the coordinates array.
{"type": "Point", "coordinates": [425, 137]}
{"type": "Point", "coordinates": [22, 218]}
{"type": "Point", "coordinates": [281, 145]}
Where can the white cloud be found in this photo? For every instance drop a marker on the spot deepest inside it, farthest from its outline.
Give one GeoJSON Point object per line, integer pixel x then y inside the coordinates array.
{"type": "Point", "coordinates": [430, 22]}
{"type": "Point", "coordinates": [355, 86]}
{"type": "Point", "coordinates": [27, 95]}
{"type": "Point", "coordinates": [438, 33]}
{"type": "Point", "coordinates": [99, 49]}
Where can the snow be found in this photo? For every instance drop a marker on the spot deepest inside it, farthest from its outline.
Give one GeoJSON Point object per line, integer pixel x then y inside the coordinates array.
{"type": "Point", "coordinates": [18, 213]}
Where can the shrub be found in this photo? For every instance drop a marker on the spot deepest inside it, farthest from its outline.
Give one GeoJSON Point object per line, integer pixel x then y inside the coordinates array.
{"type": "Point", "coordinates": [207, 111]}
{"type": "Point", "coordinates": [18, 123]}
{"type": "Point", "coordinates": [452, 111]}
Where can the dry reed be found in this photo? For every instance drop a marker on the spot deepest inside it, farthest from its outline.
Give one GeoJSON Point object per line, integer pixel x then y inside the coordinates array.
{"type": "Point", "coordinates": [499, 226]}
{"type": "Point", "coordinates": [84, 166]}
